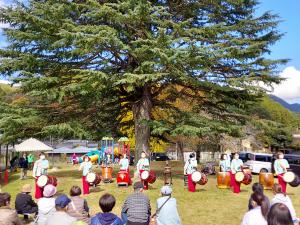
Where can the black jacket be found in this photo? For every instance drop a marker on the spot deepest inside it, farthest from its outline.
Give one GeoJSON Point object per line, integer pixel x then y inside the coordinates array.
{"type": "Point", "coordinates": [23, 163]}
{"type": "Point", "coordinates": [25, 204]}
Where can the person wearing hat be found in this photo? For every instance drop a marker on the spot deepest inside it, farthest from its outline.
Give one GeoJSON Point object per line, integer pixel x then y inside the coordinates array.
{"type": "Point", "coordinates": [166, 213]}
{"type": "Point", "coordinates": [142, 165]}
{"type": "Point", "coordinates": [46, 204]}
{"type": "Point", "coordinates": [86, 167]}
{"type": "Point", "coordinates": [24, 202]}
{"type": "Point", "coordinates": [61, 217]}
{"type": "Point", "coordinates": [190, 167]}
{"type": "Point", "coordinates": [136, 209]}
{"type": "Point", "coordinates": [107, 202]}
{"type": "Point", "coordinates": [40, 167]}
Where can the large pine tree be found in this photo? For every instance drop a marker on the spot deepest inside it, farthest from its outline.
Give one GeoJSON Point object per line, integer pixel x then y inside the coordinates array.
{"type": "Point", "coordinates": [123, 54]}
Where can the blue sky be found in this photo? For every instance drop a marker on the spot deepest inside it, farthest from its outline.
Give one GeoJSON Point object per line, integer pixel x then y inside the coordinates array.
{"type": "Point", "coordinates": [288, 47]}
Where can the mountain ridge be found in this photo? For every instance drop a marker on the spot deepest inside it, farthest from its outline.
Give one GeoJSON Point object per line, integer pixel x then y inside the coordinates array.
{"type": "Point", "coordinates": [295, 107]}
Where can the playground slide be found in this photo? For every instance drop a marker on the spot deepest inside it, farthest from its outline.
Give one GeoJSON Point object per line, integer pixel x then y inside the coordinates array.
{"type": "Point", "coordinates": [94, 156]}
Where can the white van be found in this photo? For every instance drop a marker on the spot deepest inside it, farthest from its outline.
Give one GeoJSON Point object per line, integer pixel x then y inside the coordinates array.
{"type": "Point", "coordinates": [259, 162]}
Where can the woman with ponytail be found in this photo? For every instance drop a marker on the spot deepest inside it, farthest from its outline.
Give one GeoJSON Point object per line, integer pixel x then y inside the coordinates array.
{"type": "Point", "coordinates": [257, 215]}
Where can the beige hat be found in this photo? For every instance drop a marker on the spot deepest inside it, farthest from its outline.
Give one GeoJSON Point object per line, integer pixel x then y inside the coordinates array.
{"type": "Point", "coordinates": [26, 188]}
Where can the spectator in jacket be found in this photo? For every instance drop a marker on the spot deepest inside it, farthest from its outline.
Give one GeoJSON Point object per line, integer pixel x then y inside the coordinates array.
{"type": "Point", "coordinates": [23, 164]}
{"type": "Point", "coordinates": [281, 197]}
{"type": "Point", "coordinates": [8, 216]}
{"type": "Point", "coordinates": [136, 209]}
{"type": "Point", "coordinates": [167, 207]}
{"type": "Point", "coordinates": [46, 204]}
{"type": "Point", "coordinates": [24, 202]}
{"type": "Point", "coordinates": [61, 217]}
{"type": "Point", "coordinates": [107, 203]}
{"type": "Point", "coordinates": [257, 215]}
{"type": "Point", "coordinates": [257, 187]}
{"type": "Point", "coordinates": [78, 206]}
{"type": "Point", "coordinates": [280, 215]}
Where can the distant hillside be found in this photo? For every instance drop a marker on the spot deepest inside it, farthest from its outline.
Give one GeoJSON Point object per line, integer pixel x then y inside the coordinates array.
{"type": "Point", "coordinates": [292, 107]}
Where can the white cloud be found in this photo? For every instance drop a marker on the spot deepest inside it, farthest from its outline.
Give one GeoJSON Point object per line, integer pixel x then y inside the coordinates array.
{"type": "Point", "coordinates": [4, 82]}
{"type": "Point", "coordinates": [288, 89]}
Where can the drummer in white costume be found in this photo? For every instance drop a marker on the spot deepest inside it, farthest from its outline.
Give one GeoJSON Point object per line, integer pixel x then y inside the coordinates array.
{"type": "Point", "coordinates": [280, 166]}
{"type": "Point", "coordinates": [40, 167]}
{"type": "Point", "coordinates": [124, 166]}
{"type": "Point", "coordinates": [86, 167]}
{"type": "Point", "coordinates": [142, 165]}
{"type": "Point", "coordinates": [190, 167]}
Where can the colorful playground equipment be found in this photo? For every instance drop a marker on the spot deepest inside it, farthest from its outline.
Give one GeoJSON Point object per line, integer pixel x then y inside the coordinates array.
{"type": "Point", "coordinates": [95, 156]}
{"type": "Point", "coordinates": [108, 147]}
{"type": "Point", "coordinates": [124, 146]}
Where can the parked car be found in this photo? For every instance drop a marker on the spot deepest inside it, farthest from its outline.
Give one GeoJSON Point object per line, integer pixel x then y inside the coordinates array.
{"type": "Point", "coordinates": [259, 162]}
{"type": "Point", "coordinates": [157, 156]}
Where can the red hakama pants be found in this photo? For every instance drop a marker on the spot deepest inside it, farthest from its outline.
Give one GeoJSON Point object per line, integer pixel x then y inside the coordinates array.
{"type": "Point", "coordinates": [38, 190]}
{"type": "Point", "coordinates": [282, 182]}
{"type": "Point", "coordinates": [235, 185]}
{"type": "Point", "coordinates": [191, 184]}
{"type": "Point", "coordinates": [85, 186]}
{"type": "Point", "coordinates": [145, 183]}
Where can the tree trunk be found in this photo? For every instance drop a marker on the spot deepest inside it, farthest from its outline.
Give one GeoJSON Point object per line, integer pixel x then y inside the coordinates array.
{"type": "Point", "coordinates": [141, 114]}
{"type": "Point", "coordinates": [180, 145]}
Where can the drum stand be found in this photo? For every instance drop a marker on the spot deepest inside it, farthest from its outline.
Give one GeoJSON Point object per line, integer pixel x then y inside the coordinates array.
{"type": "Point", "coordinates": [168, 175]}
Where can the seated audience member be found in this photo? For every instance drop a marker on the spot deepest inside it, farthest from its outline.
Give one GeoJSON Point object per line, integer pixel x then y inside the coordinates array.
{"type": "Point", "coordinates": [24, 202]}
{"type": "Point", "coordinates": [136, 209]}
{"type": "Point", "coordinates": [257, 187]}
{"type": "Point", "coordinates": [61, 217]}
{"type": "Point", "coordinates": [107, 203]}
{"type": "Point", "coordinates": [167, 213]}
{"type": "Point", "coordinates": [78, 206]}
{"type": "Point", "coordinates": [280, 197]}
{"type": "Point", "coordinates": [8, 216]}
{"type": "Point", "coordinates": [257, 215]}
{"type": "Point", "coordinates": [279, 214]}
{"type": "Point", "coordinates": [46, 204]}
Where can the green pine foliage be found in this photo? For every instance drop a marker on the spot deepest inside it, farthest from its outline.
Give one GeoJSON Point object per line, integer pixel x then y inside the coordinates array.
{"type": "Point", "coordinates": [106, 58]}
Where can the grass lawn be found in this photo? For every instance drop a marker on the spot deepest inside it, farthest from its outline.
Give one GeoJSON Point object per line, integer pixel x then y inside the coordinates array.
{"type": "Point", "coordinates": [208, 206]}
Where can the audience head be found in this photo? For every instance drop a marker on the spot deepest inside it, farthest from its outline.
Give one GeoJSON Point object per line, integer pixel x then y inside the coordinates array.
{"type": "Point", "coordinates": [26, 188]}
{"type": "Point", "coordinates": [107, 202]}
{"type": "Point", "coordinates": [257, 187]}
{"type": "Point", "coordinates": [279, 214]}
{"type": "Point", "coordinates": [258, 199]}
{"type": "Point", "coordinates": [138, 186]}
{"type": "Point", "coordinates": [75, 191]}
{"type": "Point", "coordinates": [49, 191]}
{"type": "Point", "coordinates": [61, 202]}
{"type": "Point", "coordinates": [166, 190]}
{"type": "Point", "coordinates": [4, 199]}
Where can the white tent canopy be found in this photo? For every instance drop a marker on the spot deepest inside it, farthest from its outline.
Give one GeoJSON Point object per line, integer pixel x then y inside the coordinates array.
{"type": "Point", "coordinates": [32, 145]}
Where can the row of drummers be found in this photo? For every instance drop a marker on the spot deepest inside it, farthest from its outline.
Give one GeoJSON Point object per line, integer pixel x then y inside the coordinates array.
{"type": "Point", "coordinates": [90, 178]}
{"type": "Point", "coordinates": [232, 174]}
